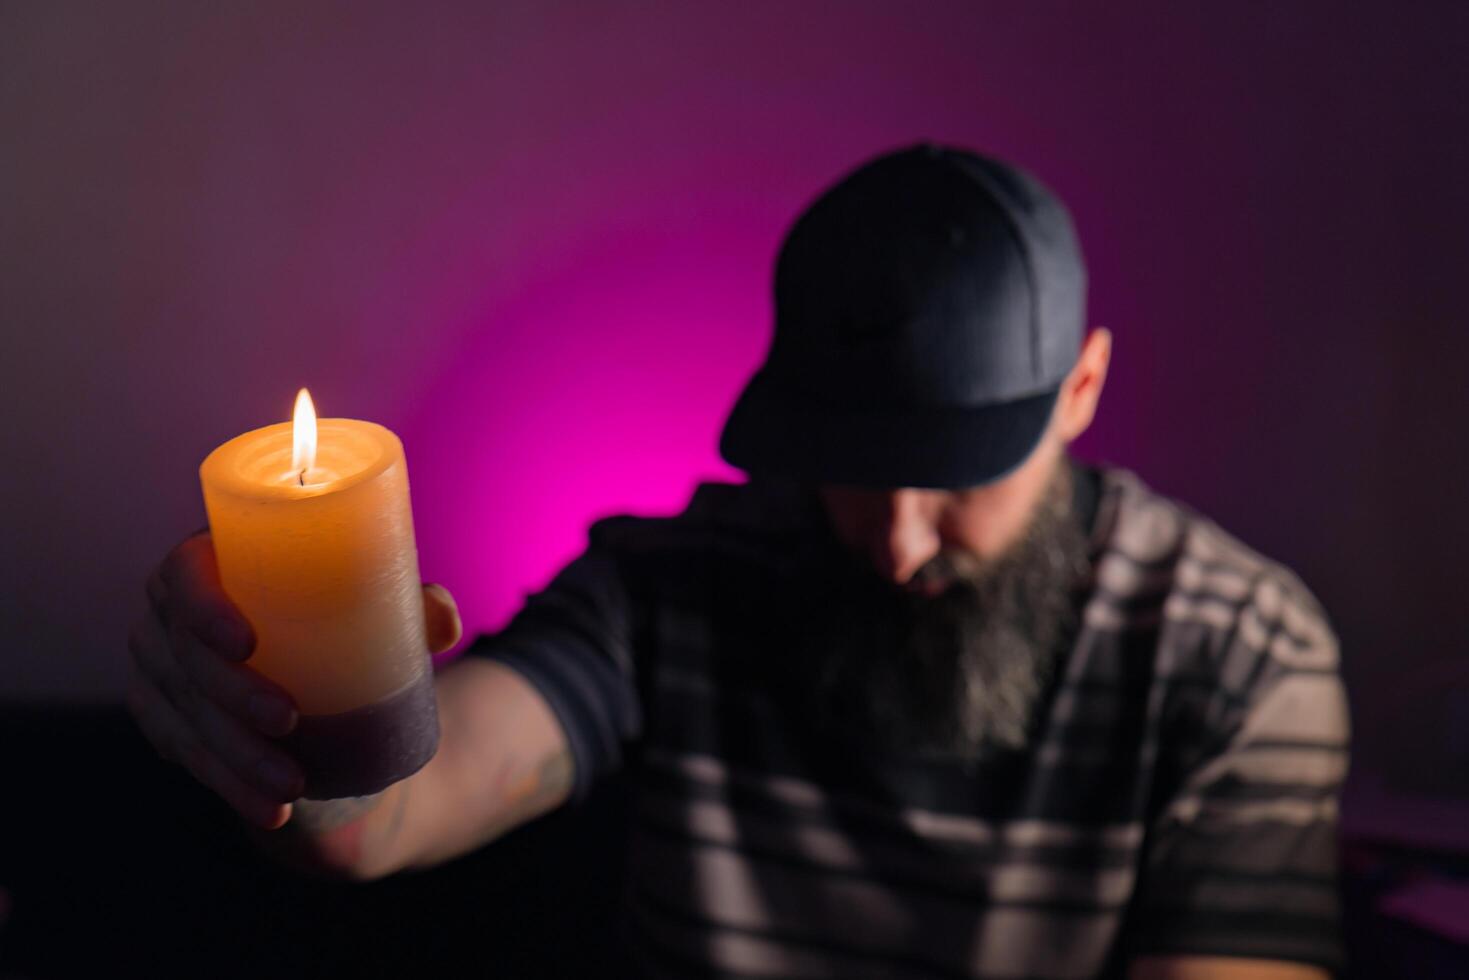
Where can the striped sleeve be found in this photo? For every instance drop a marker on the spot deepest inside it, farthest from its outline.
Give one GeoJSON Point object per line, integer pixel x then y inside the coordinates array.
{"type": "Point", "coordinates": [1242, 859]}
{"type": "Point", "coordinates": [573, 642]}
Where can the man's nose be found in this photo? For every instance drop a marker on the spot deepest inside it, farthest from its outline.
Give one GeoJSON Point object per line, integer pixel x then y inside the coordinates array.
{"type": "Point", "coordinates": [904, 538]}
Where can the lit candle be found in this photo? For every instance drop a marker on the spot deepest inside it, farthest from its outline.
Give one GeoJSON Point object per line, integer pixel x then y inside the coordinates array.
{"type": "Point", "coordinates": [313, 534]}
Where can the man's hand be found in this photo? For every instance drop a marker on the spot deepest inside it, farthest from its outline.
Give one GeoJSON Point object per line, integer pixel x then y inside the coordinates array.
{"type": "Point", "coordinates": [202, 706]}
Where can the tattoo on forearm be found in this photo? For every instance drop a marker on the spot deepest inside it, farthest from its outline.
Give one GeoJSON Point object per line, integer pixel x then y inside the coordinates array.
{"type": "Point", "coordinates": [337, 833]}
{"type": "Point", "coordinates": [321, 816]}
{"type": "Point", "coordinates": [399, 806]}
{"type": "Point", "coordinates": [528, 792]}
{"type": "Point", "coordinates": [545, 781]}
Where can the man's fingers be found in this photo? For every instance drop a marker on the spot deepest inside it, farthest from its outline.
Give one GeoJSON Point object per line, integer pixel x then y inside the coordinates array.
{"type": "Point", "coordinates": [171, 735]}
{"type": "Point", "coordinates": [442, 622]}
{"type": "Point", "coordinates": [152, 714]}
{"type": "Point", "coordinates": [148, 645]}
{"type": "Point", "coordinates": [185, 724]}
{"type": "Point", "coordinates": [257, 760]}
{"type": "Point", "coordinates": [256, 767]}
{"type": "Point", "coordinates": [236, 688]}
{"type": "Point", "coordinates": [243, 798]}
{"type": "Point", "coordinates": [190, 579]}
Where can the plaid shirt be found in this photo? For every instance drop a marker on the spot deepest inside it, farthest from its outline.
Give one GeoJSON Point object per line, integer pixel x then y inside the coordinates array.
{"type": "Point", "coordinates": [1179, 797]}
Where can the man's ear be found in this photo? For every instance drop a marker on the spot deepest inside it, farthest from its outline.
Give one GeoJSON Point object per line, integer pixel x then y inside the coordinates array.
{"type": "Point", "coordinates": [1077, 404]}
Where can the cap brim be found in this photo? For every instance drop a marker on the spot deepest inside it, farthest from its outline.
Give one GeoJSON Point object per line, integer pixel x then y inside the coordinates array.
{"type": "Point", "coordinates": [771, 433]}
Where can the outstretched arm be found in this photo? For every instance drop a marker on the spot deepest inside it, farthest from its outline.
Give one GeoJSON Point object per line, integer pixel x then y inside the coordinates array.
{"type": "Point", "coordinates": [502, 761]}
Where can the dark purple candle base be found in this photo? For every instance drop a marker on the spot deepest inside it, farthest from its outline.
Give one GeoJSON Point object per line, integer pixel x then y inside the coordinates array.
{"type": "Point", "coordinates": [367, 749]}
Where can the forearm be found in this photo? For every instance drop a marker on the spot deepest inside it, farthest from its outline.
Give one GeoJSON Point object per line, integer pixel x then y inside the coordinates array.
{"type": "Point", "coordinates": [502, 760]}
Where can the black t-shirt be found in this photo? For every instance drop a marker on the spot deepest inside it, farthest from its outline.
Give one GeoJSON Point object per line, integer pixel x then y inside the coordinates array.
{"type": "Point", "coordinates": [1179, 796]}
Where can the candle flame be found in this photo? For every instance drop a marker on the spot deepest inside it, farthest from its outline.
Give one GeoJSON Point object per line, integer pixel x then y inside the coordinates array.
{"type": "Point", "coordinates": [303, 428]}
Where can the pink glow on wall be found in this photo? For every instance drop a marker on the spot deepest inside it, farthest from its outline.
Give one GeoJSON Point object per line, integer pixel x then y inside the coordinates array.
{"type": "Point", "coordinates": [596, 386]}
{"type": "Point", "coordinates": [535, 239]}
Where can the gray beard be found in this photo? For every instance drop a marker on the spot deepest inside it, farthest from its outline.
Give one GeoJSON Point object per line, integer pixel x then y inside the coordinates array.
{"type": "Point", "coordinates": [964, 670]}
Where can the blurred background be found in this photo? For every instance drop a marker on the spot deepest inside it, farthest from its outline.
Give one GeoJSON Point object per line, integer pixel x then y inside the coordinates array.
{"type": "Point", "coordinates": [536, 239]}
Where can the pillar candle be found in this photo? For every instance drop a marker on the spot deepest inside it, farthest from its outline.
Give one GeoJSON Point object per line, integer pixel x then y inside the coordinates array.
{"type": "Point", "coordinates": [313, 533]}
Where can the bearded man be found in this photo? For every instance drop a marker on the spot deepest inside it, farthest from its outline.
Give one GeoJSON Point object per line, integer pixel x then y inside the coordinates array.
{"type": "Point", "coordinates": [927, 696]}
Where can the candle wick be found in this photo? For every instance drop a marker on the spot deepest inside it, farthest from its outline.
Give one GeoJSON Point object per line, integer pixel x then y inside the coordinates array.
{"type": "Point", "coordinates": [303, 478]}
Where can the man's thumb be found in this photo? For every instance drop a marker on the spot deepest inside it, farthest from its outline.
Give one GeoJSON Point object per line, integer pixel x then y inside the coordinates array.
{"type": "Point", "coordinates": [441, 618]}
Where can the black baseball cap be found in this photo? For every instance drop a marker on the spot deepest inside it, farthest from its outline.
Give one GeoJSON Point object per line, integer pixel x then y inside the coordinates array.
{"type": "Point", "coordinates": [927, 308]}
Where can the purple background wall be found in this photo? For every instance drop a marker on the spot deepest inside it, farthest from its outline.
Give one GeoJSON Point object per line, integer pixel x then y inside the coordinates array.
{"type": "Point", "coordinates": [535, 239]}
